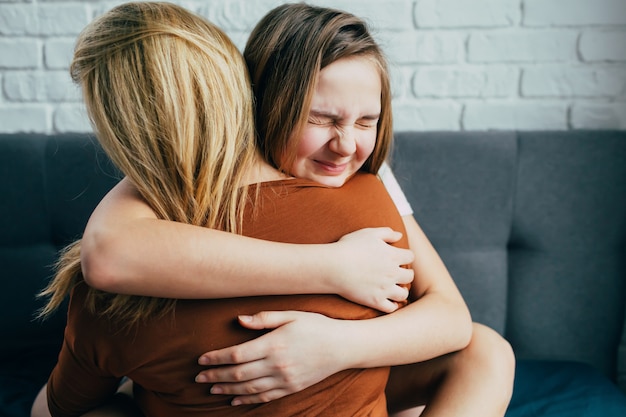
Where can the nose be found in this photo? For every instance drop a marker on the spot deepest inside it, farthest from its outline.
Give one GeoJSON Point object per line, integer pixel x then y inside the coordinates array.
{"type": "Point", "coordinates": [344, 141]}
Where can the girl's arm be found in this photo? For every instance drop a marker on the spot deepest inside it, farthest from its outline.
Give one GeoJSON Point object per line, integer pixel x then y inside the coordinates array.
{"type": "Point", "coordinates": [305, 347]}
{"type": "Point", "coordinates": [120, 405]}
{"type": "Point", "coordinates": [126, 249]}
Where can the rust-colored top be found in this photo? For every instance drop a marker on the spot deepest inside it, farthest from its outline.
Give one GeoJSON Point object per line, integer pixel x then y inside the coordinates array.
{"type": "Point", "coordinates": [161, 356]}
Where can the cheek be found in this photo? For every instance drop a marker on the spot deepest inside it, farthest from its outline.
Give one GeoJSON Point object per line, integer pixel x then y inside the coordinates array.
{"type": "Point", "coordinates": [306, 146]}
{"type": "Point", "coordinates": [311, 141]}
{"type": "Point", "coordinates": [366, 145]}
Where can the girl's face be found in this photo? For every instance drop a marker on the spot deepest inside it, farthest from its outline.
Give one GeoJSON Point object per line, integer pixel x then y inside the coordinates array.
{"type": "Point", "coordinates": [341, 130]}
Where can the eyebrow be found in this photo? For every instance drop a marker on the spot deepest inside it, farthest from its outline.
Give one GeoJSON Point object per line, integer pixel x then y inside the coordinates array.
{"type": "Point", "coordinates": [320, 113]}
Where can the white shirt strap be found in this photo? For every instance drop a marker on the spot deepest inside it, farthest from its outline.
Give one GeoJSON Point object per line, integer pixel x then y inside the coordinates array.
{"type": "Point", "coordinates": [393, 188]}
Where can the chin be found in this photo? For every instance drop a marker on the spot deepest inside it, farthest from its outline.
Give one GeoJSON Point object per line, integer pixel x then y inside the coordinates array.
{"type": "Point", "coordinates": [334, 182]}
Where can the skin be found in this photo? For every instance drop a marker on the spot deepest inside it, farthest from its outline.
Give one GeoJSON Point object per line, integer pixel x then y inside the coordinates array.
{"type": "Point", "coordinates": [341, 131]}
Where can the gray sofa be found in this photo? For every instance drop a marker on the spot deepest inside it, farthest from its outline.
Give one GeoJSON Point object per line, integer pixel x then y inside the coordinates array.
{"type": "Point", "coordinates": [531, 225]}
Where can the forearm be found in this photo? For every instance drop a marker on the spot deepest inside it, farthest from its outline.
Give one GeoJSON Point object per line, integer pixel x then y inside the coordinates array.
{"type": "Point", "coordinates": [305, 348]}
{"type": "Point", "coordinates": [165, 259]}
{"type": "Point", "coordinates": [126, 249]}
{"type": "Point", "coordinates": [423, 330]}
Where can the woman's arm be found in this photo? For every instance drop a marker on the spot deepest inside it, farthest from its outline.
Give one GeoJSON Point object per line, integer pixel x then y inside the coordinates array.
{"type": "Point", "coordinates": [126, 249]}
{"type": "Point", "coordinates": [305, 348]}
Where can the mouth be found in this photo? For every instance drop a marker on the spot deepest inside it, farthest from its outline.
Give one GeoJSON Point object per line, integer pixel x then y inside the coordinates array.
{"type": "Point", "coordinates": [331, 168]}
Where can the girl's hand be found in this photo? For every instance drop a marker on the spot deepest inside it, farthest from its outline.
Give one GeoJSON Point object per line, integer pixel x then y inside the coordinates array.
{"type": "Point", "coordinates": [303, 349]}
{"type": "Point", "coordinates": [369, 270]}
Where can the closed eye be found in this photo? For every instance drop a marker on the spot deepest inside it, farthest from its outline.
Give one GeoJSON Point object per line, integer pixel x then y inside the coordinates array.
{"type": "Point", "coordinates": [368, 122]}
{"type": "Point", "coordinates": [320, 121]}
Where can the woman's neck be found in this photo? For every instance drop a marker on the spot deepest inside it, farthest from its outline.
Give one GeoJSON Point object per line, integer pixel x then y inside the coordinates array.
{"type": "Point", "coordinates": [262, 171]}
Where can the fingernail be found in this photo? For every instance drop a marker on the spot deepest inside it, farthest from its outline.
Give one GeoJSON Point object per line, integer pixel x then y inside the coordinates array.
{"type": "Point", "coordinates": [236, 402]}
{"type": "Point", "coordinates": [246, 319]}
{"type": "Point", "coordinates": [216, 390]}
{"type": "Point", "coordinates": [201, 378]}
{"type": "Point", "coordinates": [203, 361]}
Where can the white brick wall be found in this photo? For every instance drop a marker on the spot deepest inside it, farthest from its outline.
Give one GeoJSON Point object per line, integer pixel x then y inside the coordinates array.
{"type": "Point", "coordinates": [455, 64]}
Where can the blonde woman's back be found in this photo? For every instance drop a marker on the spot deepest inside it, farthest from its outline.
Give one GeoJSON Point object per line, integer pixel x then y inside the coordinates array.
{"type": "Point", "coordinates": [160, 355]}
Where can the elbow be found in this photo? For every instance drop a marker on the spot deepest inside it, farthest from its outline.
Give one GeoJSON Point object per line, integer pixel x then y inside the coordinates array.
{"type": "Point", "coordinates": [465, 327]}
{"type": "Point", "coordinates": [98, 261]}
{"type": "Point", "coordinates": [460, 325]}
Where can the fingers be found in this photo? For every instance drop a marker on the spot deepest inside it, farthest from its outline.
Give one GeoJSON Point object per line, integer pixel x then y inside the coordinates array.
{"type": "Point", "coordinates": [387, 306]}
{"type": "Point", "coordinates": [233, 355]}
{"type": "Point", "coordinates": [248, 351]}
{"type": "Point", "coordinates": [247, 382]}
{"type": "Point", "coordinates": [405, 276]}
{"type": "Point", "coordinates": [266, 319]}
{"type": "Point", "coordinates": [253, 391]}
{"type": "Point", "coordinates": [263, 397]}
{"type": "Point", "coordinates": [398, 295]}
{"type": "Point", "coordinates": [387, 234]}
{"type": "Point", "coordinates": [242, 373]}
{"type": "Point", "coordinates": [405, 256]}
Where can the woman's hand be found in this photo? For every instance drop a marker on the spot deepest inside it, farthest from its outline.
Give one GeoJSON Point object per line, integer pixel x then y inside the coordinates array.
{"type": "Point", "coordinates": [369, 270]}
{"type": "Point", "coordinates": [303, 349]}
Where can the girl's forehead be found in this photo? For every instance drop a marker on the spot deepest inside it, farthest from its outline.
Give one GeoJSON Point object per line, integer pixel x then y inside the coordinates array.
{"type": "Point", "coordinates": [352, 63]}
{"type": "Point", "coordinates": [348, 84]}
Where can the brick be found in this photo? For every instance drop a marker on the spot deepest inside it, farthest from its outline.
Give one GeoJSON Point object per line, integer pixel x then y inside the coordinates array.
{"type": "Point", "coordinates": [424, 115]}
{"type": "Point", "coordinates": [573, 82]}
{"type": "Point", "coordinates": [467, 13]}
{"type": "Point", "coordinates": [23, 119]}
{"type": "Point", "coordinates": [423, 47]}
{"type": "Point", "coordinates": [239, 39]}
{"type": "Point", "coordinates": [400, 79]}
{"type": "Point", "coordinates": [392, 15]}
{"type": "Point", "coordinates": [71, 118]}
{"type": "Point", "coordinates": [598, 116]}
{"type": "Point", "coordinates": [523, 46]}
{"type": "Point", "coordinates": [534, 115]}
{"type": "Point", "coordinates": [62, 19]}
{"type": "Point", "coordinates": [19, 53]}
{"type": "Point", "coordinates": [236, 15]}
{"type": "Point", "coordinates": [17, 20]}
{"type": "Point", "coordinates": [58, 53]}
{"type": "Point", "coordinates": [51, 86]}
{"type": "Point", "coordinates": [574, 12]}
{"type": "Point", "coordinates": [603, 46]}
{"type": "Point", "coordinates": [465, 82]}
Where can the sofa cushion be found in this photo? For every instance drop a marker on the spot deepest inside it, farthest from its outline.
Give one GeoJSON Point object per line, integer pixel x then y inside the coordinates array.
{"type": "Point", "coordinates": [563, 389]}
{"type": "Point", "coordinates": [567, 283]}
{"type": "Point", "coordinates": [460, 187]}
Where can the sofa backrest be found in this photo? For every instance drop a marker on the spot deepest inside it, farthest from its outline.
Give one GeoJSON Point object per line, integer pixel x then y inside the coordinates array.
{"type": "Point", "coordinates": [532, 226]}
{"type": "Point", "coordinates": [49, 186]}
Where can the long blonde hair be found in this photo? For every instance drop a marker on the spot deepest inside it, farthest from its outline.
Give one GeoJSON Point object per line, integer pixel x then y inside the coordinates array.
{"type": "Point", "coordinates": [170, 101]}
